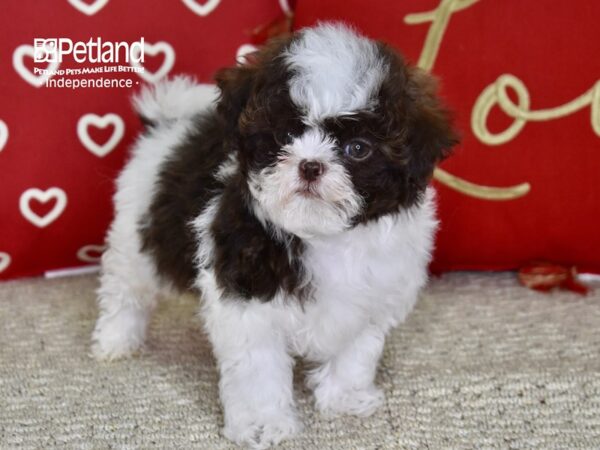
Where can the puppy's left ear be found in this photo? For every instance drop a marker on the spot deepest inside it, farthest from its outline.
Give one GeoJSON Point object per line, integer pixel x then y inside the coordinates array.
{"type": "Point", "coordinates": [431, 134]}
{"type": "Point", "coordinates": [235, 84]}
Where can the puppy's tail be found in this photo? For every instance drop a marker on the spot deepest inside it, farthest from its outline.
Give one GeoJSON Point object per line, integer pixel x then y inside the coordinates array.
{"type": "Point", "coordinates": [179, 98]}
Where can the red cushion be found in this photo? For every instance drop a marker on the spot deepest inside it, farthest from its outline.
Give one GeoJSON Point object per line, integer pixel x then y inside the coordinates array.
{"type": "Point", "coordinates": [55, 184]}
{"type": "Point", "coordinates": [550, 50]}
{"type": "Point", "coordinates": [552, 47]}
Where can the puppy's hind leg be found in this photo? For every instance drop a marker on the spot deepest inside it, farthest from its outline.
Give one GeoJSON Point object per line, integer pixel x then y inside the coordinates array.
{"type": "Point", "coordinates": [126, 298]}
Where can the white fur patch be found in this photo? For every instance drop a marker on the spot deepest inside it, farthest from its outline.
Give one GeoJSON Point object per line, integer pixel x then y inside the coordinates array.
{"type": "Point", "coordinates": [277, 190]}
{"type": "Point", "coordinates": [179, 98]}
{"type": "Point", "coordinates": [336, 72]}
{"type": "Point", "coordinates": [365, 280]}
{"type": "Point", "coordinates": [368, 275]}
{"type": "Point", "coordinates": [129, 283]}
{"type": "Point", "coordinates": [228, 168]}
{"type": "Point", "coordinates": [202, 224]}
{"type": "Point", "coordinates": [255, 368]}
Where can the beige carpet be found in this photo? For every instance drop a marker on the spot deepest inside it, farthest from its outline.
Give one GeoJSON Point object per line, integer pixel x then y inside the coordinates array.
{"type": "Point", "coordinates": [481, 363]}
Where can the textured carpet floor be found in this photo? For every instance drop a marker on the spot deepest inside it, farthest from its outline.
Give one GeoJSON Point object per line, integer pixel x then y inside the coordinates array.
{"type": "Point", "coordinates": [481, 363]}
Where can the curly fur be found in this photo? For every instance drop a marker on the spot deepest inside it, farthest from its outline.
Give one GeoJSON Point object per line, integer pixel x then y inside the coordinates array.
{"type": "Point", "coordinates": [218, 199]}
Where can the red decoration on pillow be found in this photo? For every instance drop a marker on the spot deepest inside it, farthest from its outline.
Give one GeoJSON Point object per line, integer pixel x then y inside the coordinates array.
{"type": "Point", "coordinates": [282, 25]}
{"type": "Point", "coordinates": [522, 78]}
{"type": "Point", "coordinates": [544, 276]}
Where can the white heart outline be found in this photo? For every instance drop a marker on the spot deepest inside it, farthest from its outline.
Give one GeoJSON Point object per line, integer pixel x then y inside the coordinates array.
{"type": "Point", "coordinates": [35, 80]}
{"type": "Point", "coordinates": [285, 7]}
{"type": "Point", "coordinates": [242, 51]}
{"type": "Point", "coordinates": [5, 261]}
{"type": "Point", "coordinates": [153, 49]}
{"type": "Point", "coordinates": [83, 254]}
{"type": "Point", "coordinates": [43, 196]}
{"type": "Point", "coordinates": [202, 9]}
{"type": "Point", "coordinates": [100, 122]}
{"type": "Point", "coordinates": [3, 134]}
{"type": "Point", "coordinates": [86, 8]}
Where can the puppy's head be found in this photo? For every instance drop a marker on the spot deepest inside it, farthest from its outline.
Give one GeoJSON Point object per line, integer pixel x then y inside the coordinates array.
{"type": "Point", "coordinates": [332, 130]}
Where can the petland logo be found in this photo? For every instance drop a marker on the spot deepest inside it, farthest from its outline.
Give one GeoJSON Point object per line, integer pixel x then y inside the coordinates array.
{"type": "Point", "coordinates": [93, 51]}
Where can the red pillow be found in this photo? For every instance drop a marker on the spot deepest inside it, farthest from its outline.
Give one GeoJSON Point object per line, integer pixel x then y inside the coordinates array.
{"type": "Point", "coordinates": [524, 81]}
{"type": "Point", "coordinates": [61, 148]}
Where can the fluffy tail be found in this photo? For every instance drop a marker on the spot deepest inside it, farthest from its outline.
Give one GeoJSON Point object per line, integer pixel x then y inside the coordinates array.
{"type": "Point", "coordinates": [179, 98]}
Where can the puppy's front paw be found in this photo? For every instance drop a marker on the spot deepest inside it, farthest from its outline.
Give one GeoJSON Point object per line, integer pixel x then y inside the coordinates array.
{"type": "Point", "coordinates": [257, 431]}
{"type": "Point", "coordinates": [357, 402]}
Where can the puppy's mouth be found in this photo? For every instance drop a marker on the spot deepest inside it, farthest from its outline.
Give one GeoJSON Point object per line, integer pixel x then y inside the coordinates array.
{"type": "Point", "coordinates": [308, 191]}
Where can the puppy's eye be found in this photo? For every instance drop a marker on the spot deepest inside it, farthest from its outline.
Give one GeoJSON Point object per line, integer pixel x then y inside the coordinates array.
{"type": "Point", "coordinates": [284, 138]}
{"type": "Point", "coordinates": [358, 149]}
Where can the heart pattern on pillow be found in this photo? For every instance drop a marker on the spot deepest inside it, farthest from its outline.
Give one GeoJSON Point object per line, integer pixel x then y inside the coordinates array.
{"type": "Point", "coordinates": [3, 134]}
{"type": "Point", "coordinates": [154, 49]}
{"type": "Point", "coordinates": [242, 51]}
{"type": "Point", "coordinates": [91, 253]}
{"type": "Point", "coordinates": [63, 145]}
{"type": "Point", "coordinates": [4, 261]}
{"type": "Point", "coordinates": [88, 8]}
{"type": "Point", "coordinates": [97, 121]}
{"type": "Point", "coordinates": [202, 9]}
{"type": "Point", "coordinates": [53, 193]}
{"type": "Point", "coordinates": [285, 7]}
{"type": "Point", "coordinates": [36, 80]}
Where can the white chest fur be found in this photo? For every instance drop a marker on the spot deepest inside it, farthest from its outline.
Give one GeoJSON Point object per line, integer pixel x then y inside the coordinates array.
{"type": "Point", "coordinates": [367, 276]}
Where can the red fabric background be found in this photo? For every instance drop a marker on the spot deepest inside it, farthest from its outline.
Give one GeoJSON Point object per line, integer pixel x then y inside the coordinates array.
{"type": "Point", "coordinates": [43, 149]}
{"type": "Point", "coordinates": [553, 47]}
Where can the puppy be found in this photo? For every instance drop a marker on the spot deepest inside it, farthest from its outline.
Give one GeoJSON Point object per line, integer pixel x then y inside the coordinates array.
{"type": "Point", "coordinates": [294, 201]}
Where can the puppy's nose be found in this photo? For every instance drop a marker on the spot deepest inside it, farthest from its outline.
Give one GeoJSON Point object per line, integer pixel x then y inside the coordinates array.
{"type": "Point", "coordinates": [310, 170]}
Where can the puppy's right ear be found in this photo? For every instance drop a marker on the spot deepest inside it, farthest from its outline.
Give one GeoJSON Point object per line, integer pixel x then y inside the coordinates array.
{"type": "Point", "coordinates": [235, 84]}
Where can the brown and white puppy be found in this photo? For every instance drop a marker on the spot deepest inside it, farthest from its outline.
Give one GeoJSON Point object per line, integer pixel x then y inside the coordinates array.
{"type": "Point", "coordinates": [295, 199]}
